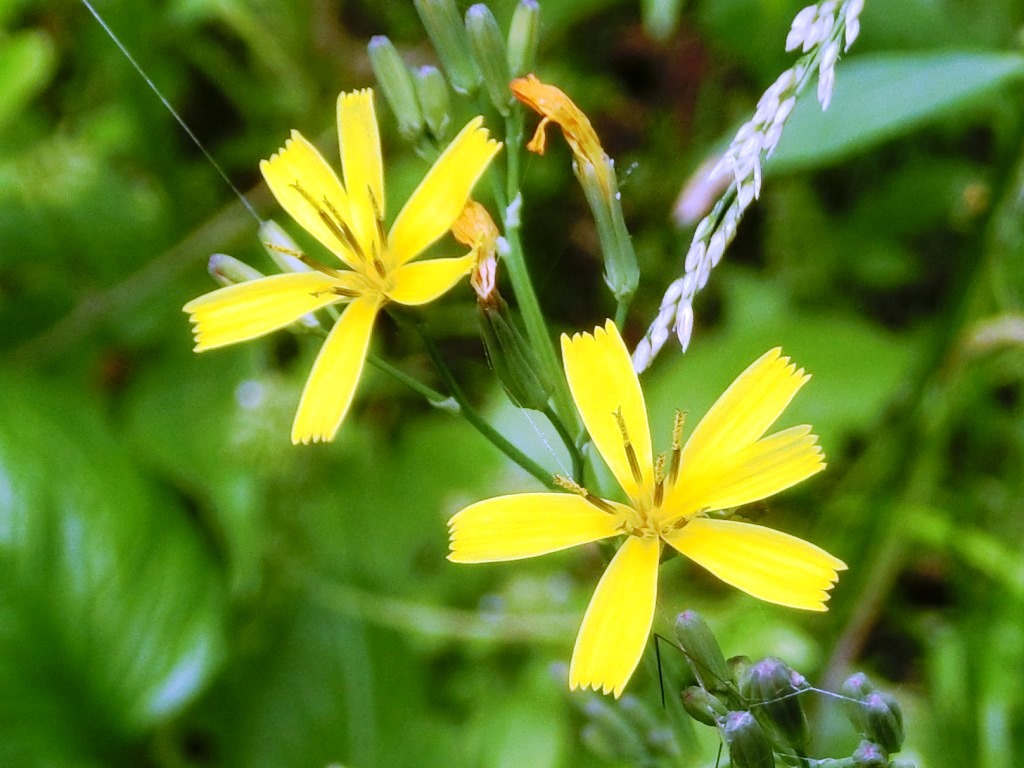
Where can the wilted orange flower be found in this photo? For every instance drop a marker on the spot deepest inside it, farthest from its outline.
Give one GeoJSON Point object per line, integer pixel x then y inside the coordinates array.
{"type": "Point", "coordinates": [552, 104]}
{"type": "Point", "coordinates": [477, 229]}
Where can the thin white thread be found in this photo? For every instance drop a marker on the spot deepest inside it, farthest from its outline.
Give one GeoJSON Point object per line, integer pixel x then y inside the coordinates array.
{"type": "Point", "coordinates": [171, 109]}
{"type": "Point", "coordinates": [544, 440]}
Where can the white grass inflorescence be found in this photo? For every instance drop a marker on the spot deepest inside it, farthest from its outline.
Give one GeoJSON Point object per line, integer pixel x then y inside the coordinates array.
{"type": "Point", "coordinates": [818, 30]}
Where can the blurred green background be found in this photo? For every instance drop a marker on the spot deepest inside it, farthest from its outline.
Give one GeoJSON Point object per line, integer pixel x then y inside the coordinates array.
{"type": "Point", "coordinates": [179, 586]}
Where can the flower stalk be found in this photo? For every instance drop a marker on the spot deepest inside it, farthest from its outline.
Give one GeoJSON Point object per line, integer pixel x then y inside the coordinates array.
{"type": "Point", "coordinates": [820, 31]}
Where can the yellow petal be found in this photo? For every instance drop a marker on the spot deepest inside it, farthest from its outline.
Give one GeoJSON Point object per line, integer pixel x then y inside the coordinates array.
{"type": "Point", "coordinates": [332, 382]}
{"type": "Point", "coordinates": [248, 310]}
{"type": "Point", "coordinates": [425, 281]}
{"type": "Point", "coordinates": [602, 381]}
{"type": "Point", "coordinates": [526, 525]}
{"type": "Point", "coordinates": [618, 619]}
{"type": "Point", "coordinates": [743, 413]}
{"type": "Point", "coordinates": [308, 189]}
{"type": "Point", "coordinates": [770, 465]}
{"type": "Point", "coordinates": [767, 564]}
{"type": "Point", "coordinates": [441, 196]}
{"type": "Point", "coordinates": [359, 139]}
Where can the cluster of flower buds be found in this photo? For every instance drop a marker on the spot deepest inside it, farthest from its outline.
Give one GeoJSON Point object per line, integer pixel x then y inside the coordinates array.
{"type": "Point", "coordinates": [472, 52]}
{"type": "Point", "coordinates": [628, 732]}
{"type": "Point", "coordinates": [818, 30]}
{"type": "Point", "coordinates": [757, 707]}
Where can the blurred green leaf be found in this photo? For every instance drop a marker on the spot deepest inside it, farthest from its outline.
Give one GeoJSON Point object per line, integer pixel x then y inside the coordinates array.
{"type": "Point", "coordinates": [28, 61]}
{"type": "Point", "coordinates": [856, 367]}
{"type": "Point", "coordinates": [880, 97]}
{"type": "Point", "coordinates": [110, 612]}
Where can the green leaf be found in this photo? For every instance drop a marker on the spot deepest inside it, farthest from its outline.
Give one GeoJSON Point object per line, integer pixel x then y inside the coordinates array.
{"type": "Point", "coordinates": [880, 97]}
{"type": "Point", "coordinates": [110, 610]}
{"type": "Point", "coordinates": [856, 367]}
{"type": "Point", "coordinates": [27, 63]}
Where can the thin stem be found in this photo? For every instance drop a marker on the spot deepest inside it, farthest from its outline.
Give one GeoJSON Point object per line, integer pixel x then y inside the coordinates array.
{"type": "Point", "coordinates": [570, 444]}
{"type": "Point", "coordinates": [432, 396]}
{"type": "Point", "coordinates": [621, 311]}
{"type": "Point", "coordinates": [473, 417]}
{"type": "Point", "coordinates": [529, 306]}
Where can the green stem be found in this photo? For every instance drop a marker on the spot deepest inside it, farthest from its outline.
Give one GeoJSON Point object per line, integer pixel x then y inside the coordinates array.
{"type": "Point", "coordinates": [515, 263]}
{"type": "Point", "coordinates": [432, 396]}
{"type": "Point", "coordinates": [621, 310]}
{"type": "Point", "coordinates": [570, 445]}
{"type": "Point", "coordinates": [474, 418]}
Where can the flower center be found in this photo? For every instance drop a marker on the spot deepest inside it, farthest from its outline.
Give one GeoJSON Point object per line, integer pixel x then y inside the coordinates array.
{"type": "Point", "coordinates": [369, 256]}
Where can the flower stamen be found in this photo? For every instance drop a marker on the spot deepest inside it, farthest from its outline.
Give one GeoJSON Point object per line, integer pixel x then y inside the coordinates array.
{"type": "Point", "coordinates": [677, 446]}
{"type": "Point", "coordinates": [659, 480]}
{"type": "Point", "coordinates": [568, 484]}
{"type": "Point", "coordinates": [634, 462]}
{"type": "Point", "coordinates": [309, 261]}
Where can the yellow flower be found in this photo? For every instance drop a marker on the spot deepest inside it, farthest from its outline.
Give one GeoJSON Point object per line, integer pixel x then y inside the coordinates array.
{"type": "Point", "coordinates": [727, 462]}
{"type": "Point", "coordinates": [348, 219]}
{"type": "Point", "coordinates": [554, 106]}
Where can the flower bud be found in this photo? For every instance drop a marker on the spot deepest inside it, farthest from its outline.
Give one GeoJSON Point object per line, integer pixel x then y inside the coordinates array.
{"type": "Point", "coordinates": [748, 746]}
{"type": "Point", "coordinates": [523, 36]}
{"type": "Point", "coordinates": [738, 666]}
{"type": "Point", "coordinates": [883, 720]}
{"type": "Point", "coordinates": [397, 86]}
{"type": "Point", "coordinates": [227, 270]}
{"type": "Point", "coordinates": [769, 687]}
{"type": "Point", "coordinates": [702, 706]}
{"type": "Point", "coordinates": [621, 271]}
{"type": "Point", "coordinates": [435, 102]}
{"type": "Point", "coordinates": [869, 755]}
{"type": "Point", "coordinates": [445, 29]}
{"type": "Point", "coordinates": [856, 687]}
{"type": "Point", "coordinates": [702, 652]}
{"type": "Point", "coordinates": [487, 46]}
{"type": "Point", "coordinates": [510, 354]}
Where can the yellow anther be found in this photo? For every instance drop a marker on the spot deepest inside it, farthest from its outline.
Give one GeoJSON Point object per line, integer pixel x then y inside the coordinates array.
{"type": "Point", "coordinates": [659, 480]}
{"type": "Point", "coordinates": [677, 429]}
{"type": "Point", "coordinates": [568, 484]}
{"type": "Point", "coordinates": [307, 260]}
{"type": "Point", "coordinates": [677, 446]}
{"type": "Point", "coordinates": [634, 463]}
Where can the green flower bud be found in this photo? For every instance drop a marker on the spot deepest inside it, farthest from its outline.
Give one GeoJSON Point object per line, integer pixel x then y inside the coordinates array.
{"type": "Point", "coordinates": [523, 37]}
{"type": "Point", "coordinates": [488, 48]}
{"type": "Point", "coordinates": [227, 270]}
{"type": "Point", "coordinates": [621, 270]}
{"type": "Point", "coordinates": [869, 755]}
{"type": "Point", "coordinates": [883, 720]}
{"type": "Point", "coordinates": [510, 354]}
{"type": "Point", "coordinates": [702, 652]}
{"type": "Point", "coordinates": [856, 687]}
{"type": "Point", "coordinates": [397, 86]}
{"type": "Point", "coordinates": [738, 666]}
{"type": "Point", "coordinates": [702, 706]}
{"type": "Point", "coordinates": [748, 746]}
{"type": "Point", "coordinates": [435, 102]}
{"type": "Point", "coordinates": [769, 687]}
{"type": "Point", "coordinates": [445, 29]}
